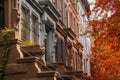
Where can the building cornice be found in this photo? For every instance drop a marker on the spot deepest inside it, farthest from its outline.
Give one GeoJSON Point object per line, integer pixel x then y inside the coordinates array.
{"type": "Point", "coordinates": [72, 7]}
{"type": "Point", "coordinates": [77, 44]}
{"type": "Point", "coordinates": [60, 29]}
{"type": "Point", "coordinates": [50, 9]}
{"type": "Point", "coordinates": [35, 5]}
{"type": "Point", "coordinates": [70, 33]}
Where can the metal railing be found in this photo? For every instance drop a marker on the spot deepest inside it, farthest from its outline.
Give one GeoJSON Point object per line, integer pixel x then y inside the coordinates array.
{"type": "Point", "coordinates": [42, 63]}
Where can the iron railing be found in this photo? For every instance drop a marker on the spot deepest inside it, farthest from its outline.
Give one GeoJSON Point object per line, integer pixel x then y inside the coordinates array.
{"type": "Point", "coordinates": [42, 63]}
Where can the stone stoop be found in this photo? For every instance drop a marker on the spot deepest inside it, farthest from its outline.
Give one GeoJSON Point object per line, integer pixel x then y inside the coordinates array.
{"type": "Point", "coordinates": [63, 73]}
{"type": "Point", "coordinates": [67, 77]}
{"type": "Point", "coordinates": [27, 69]}
{"type": "Point", "coordinates": [23, 67]}
{"type": "Point", "coordinates": [60, 67]}
{"type": "Point", "coordinates": [73, 75]}
{"type": "Point", "coordinates": [48, 75]}
{"type": "Point", "coordinates": [49, 67]}
{"type": "Point", "coordinates": [56, 66]}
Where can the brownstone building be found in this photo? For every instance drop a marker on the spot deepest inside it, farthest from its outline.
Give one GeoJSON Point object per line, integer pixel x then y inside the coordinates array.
{"type": "Point", "coordinates": [69, 23]}
{"type": "Point", "coordinates": [59, 33]}
{"type": "Point", "coordinates": [8, 9]}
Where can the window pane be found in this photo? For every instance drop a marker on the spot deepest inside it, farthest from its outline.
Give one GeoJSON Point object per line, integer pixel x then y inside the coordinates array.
{"type": "Point", "coordinates": [25, 28]}
{"type": "Point", "coordinates": [35, 29]}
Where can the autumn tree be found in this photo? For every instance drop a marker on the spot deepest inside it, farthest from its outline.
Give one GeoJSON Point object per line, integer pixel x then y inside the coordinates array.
{"type": "Point", "coordinates": [105, 34]}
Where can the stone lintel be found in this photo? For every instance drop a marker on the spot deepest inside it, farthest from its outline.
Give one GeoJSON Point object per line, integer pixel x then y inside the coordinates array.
{"type": "Point", "coordinates": [70, 33]}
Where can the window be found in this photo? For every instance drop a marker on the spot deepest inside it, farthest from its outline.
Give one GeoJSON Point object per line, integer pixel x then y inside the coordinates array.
{"type": "Point", "coordinates": [55, 3]}
{"type": "Point", "coordinates": [60, 6]}
{"type": "Point", "coordinates": [71, 20]}
{"type": "Point", "coordinates": [84, 65]}
{"type": "Point", "coordinates": [25, 24]}
{"type": "Point", "coordinates": [74, 27]}
{"type": "Point", "coordinates": [35, 25]}
{"type": "Point", "coordinates": [62, 50]}
{"type": "Point", "coordinates": [1, 14]}
{"type": "Point", "coordinates": [66, 17]}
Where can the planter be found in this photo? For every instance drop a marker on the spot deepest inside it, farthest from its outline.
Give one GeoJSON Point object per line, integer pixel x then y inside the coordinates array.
{"type": "Point", "coordinates": [32, 50]}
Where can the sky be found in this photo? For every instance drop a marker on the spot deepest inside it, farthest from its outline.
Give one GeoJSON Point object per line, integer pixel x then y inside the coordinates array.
{"type": "Point", "coordinates": [91, 1]}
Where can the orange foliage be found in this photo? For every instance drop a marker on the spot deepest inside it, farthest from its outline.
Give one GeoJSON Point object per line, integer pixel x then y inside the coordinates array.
{"type": "Point", "coordinates": [105, 29]}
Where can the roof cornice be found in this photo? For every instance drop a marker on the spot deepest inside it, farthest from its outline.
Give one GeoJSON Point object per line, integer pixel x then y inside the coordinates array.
{"type": "Point", "coordinates": [35, 5]}
{"type": "Point", "coordinates": [50, 9]}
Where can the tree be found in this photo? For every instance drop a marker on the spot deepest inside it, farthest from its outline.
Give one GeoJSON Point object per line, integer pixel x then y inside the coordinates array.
{"type": "Point", "coordinates": [105, 34]}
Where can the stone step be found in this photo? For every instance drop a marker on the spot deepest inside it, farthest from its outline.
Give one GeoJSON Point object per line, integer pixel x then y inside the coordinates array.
{"type": "Point", "coordinates": [27, 69]}
{"type": "Point", "coordinates": [74, 75]}
{"type": "Point", "coordinates": [24, 69]}
{"type": "Point", "coordinates": [57, 66]}
{"type": "Point", "coordinates": [67, 77]}
{"type": "Point", "coordinates": [28, 60]}
{"type": "Point", "coordinates": [49, 67]}
{"type": "Point", "coordinates": [48, 75]}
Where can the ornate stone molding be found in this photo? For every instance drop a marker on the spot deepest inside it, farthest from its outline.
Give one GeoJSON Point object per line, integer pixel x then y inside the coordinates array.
{"type": "Point", "coordinates": [70, 33]}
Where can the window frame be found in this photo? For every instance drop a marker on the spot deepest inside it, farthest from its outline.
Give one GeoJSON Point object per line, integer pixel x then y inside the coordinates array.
{"type": "Point", "coordinates": [35, 32]}
{"type": "Point", "coordinates": [26, 10]}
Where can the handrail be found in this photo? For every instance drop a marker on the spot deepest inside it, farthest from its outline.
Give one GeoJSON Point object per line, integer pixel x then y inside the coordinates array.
{"type": "Point", "coordinates": [52, 65]}
{"type": "Point", "coordinates": [27, 52]}
{"type": "Point", "coordinates": [41, 62]}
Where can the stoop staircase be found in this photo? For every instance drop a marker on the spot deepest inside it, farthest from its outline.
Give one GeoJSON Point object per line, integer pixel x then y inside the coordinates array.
{"type": "Point", "coordinates": [21, 67]}
{"type": "Point", "coordinates": [27, 64]}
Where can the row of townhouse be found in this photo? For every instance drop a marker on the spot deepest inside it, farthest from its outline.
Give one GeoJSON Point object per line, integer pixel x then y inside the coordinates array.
{"type": "Point", "coordinates": [51, 24]}
{"type": "Point", "coordinates": [83, 11]}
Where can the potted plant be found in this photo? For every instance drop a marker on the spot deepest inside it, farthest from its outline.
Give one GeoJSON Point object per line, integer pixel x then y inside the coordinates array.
{"type": "Point", "coordinates": [31, 48]}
